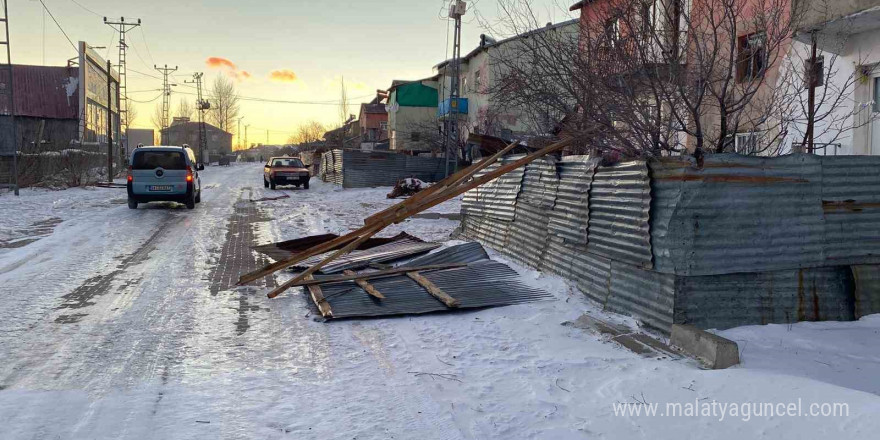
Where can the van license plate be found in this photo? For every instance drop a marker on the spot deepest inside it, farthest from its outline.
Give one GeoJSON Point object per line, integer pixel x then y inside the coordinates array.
{"type": "Point", "coordinates": [160, 188]}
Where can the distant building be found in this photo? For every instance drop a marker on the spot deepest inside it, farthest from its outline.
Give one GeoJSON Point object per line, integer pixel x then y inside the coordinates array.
{"type": "Point", "coordinates": [347, 136]}
{"type": "Point", "coordinates": [183, 131]}
{"type": "Point", "coordinates": [373, 120]}
{"type": "Point", "coordinates": [412, 114]}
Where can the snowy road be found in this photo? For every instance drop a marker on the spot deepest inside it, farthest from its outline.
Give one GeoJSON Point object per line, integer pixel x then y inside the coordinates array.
{"type": "Point", "coordinates": [123, 324]}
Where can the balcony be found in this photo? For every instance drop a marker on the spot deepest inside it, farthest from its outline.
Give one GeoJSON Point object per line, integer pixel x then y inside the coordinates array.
{"type": "Point", "coordinates": [837, 21]}
{"type": "Point", "coordinates": [449, 107]}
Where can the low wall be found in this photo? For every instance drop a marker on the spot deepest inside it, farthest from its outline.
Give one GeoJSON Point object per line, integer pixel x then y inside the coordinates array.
{"type": "Point", "coordinates": [788, 239]}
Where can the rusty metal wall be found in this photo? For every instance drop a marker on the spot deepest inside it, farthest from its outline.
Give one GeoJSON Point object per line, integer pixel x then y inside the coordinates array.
{"type": "Point", "coordinates": [851, 204]}
{"type": "Point", "coordinates": [866, 279]}
{"type": "Point", "coordinates": [778, 297]}
{"type": "Point", "coordinates": [644, 294]}
{"type": "Point", "coordinates": [620, 203]}
{"type": "Point", "coordinates": [736, 214]}
{"type": "Point", "coordinates": [570, 215]}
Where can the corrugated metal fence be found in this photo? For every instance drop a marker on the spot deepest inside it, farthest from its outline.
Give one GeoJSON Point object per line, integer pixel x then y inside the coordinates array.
{"type": "Point", "coordinates": [361, 169]}
{"type": "Point", "coordinates": [740, 240]}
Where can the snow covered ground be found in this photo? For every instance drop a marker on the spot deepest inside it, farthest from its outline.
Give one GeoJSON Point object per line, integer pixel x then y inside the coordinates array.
{"type": "Point", "coordinates": [109, 329]}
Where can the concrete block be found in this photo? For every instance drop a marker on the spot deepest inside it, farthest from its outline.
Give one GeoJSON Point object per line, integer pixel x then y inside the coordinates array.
{"type": "Point", "coordinates": [713, 350]}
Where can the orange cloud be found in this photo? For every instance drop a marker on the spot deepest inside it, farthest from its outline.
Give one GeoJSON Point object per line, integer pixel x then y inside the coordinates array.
{"type": "Point", "coordinates": [220, 63]}
{"type": "Point", "coordinates": [282, 75]}
{"type": "Point", "coordinates": [228, 67]}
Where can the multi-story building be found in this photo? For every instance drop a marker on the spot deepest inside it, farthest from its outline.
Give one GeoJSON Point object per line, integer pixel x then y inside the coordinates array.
{"type": "Point", "coordinates": [412, 114]}
{"type": "Point", "coordinates": [373, 121]}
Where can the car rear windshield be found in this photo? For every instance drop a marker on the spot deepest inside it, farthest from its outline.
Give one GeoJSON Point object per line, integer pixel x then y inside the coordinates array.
{"type": "Point", "coordinates": [169, 160]}
{"type": "Point", "coordinates": [296, 163]}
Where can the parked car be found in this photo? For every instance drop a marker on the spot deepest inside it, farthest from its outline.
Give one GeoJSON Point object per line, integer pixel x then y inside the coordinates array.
{"type": "Point", "coordinates": [285, 171]}
{"type": "Point", "coordinates": [160, 174]}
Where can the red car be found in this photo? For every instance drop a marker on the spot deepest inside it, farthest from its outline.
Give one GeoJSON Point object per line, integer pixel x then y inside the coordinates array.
{"type": "Point", "coordinates": [285, 171]}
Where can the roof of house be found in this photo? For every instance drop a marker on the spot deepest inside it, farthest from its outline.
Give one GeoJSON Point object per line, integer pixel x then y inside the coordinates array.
{"type": "Point", "coordinates": [373, 108]}
{"type": "Point", "coordinates": [50, 92]}
{"type": "Point", "coordinates": [399, 82]}
{"type": "Point", "coordinates": [490, 43]}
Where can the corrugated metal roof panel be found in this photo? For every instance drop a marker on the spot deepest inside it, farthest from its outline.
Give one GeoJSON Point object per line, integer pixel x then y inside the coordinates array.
{"type": "Point", "coordinates": [484, 283]}
{"type": "Point", "coordinates": [496, 198]}
{"type": "Point", "coordinates": [487, 230]}
{"type": "Point", "coordinates": [570, 215]}
{"type": "Point", "coordinates": [736, 214]}
{"type": "Point", "coordinates": [780, 297]}
{"type": "Point", "coordinates": [43, 91]}
{"type": "Point", "coordinates": [620, 203]}
{"type": "Point", "coordinates": [379, 254]}
{"type": "Point", "coordinates": [851, 203]}
{"type": "Point", "coordinates": [644, 294]}
{"type": "Point", "coordinates": [539, 183]}
{"type": "Point", "coordinates": [527, 239]}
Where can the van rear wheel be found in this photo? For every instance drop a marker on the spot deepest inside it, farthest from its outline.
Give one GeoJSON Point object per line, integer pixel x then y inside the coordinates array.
{"type": "Point", "coordinates": [265, 183]}
{"type": "Point", "coordinates": [132, 204]}
{"type": "Point", "coordinates": [191, 203]}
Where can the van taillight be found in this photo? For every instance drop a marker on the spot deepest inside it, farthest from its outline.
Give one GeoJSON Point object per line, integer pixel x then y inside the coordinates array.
{"type": "Point", "coordinates": [130, 177]}
{"type": "Point", "coordinates": [189, 174]}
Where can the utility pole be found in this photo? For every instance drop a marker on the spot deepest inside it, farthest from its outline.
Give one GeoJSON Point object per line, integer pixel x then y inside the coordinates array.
{"type": "Point", "coordinates": [456, 10]}
{"type": "Point", "coordinates": [109, 123]}
{"type": "Point", "coordinates": [812, 82]}
{"type": "Point", "coordinates": [122, 27]}
{"type": "Point", "coordinates": [245, 135]}
{"type": "Point", "coordinates": [238, 132]}
{"type": "Point", "coordinates": [201, 106]}
{"type": "Point", "coordinates": [166, 93]}
{"type": "Point", "coordinates": [9, 91]}
{"type": "Point", "coordinates": [267, 137]}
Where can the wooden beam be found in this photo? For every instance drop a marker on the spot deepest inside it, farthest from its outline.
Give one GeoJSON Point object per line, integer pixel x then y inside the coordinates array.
{"type": "Point", "coordinates": [369, 288]}
{"type": "Point", "coordinates": [435, 291]}
{"type": "Point", "coordinates": [320, 301]}
{"type": "Point", "coordinates": [377, 274]}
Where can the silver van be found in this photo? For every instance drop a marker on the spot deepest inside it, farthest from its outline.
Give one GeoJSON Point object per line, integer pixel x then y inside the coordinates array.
{"type": "Point", "coordinates": [164, 174]}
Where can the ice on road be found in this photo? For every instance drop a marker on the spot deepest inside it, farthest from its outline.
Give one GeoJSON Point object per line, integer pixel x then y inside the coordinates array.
{"type": "Point", "coordinates": [118, 323]}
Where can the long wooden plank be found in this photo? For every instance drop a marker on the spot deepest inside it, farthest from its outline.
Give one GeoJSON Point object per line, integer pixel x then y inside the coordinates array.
{"type": "Point", "coordinates": [317, 250]}
{"type": "Point", "coordinates": [368, 231]}
{"type": "Point", "coordinates": [318, 297]}
{"type": "Point", "coordinates": [348, 248]}
{"type": "Point", "coordinates": [376, 274]}
{"type": "Point", "coordinates": [435, 291]}
{"type": "Point", "coordinates": [363, 284]}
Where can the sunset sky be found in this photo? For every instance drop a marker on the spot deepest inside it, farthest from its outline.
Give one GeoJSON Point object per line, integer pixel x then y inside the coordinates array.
{"type": "Point", "coordinates": [290, 50]}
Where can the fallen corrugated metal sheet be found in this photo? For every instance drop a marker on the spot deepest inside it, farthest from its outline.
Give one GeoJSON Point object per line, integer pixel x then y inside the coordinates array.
{"type": "Point", "coordinates": [464, 253]}
{"type": "Point", "coordinates": [570, 215]}
{"type": "Point", "coordinates": [620, 203]}
{"type": "Point", "coordinates": [867, 290]}
{"type": "Point", "coordinates": [851, 203]}
{"type": "Point", "coordinates": [539, 183]}
{"type": "Point", "coordinates": [379, 254]}
{"type": "Point", "coordinates": [527, 239]}
{"type": "Point", "coordinates": [496, 199]}
{"type": "Point", "coordinates": [737, 214]}
{"type": "Point", "coordinates": [644, 294]}
{"type": "Point", "coordinates": [285, 249]}
{"type": "Point", "coordinates": [779, 297]}
{"type": "Point", "coordinates": [484, 283]}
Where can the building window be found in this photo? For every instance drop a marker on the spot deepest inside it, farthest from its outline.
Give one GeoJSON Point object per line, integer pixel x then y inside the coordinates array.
{"type": "Point", "coordinates": [612, 32]}
{"type": "Point", "coordinates": [747, 143]}
{"type": "Point", "coordinates": [383, 125]}
{"type": "Point", "coordinates": [415, 136]}
{"type": "Point", "coordinates": [752, 57]}
{"type": "Point", "coordinates": [478, 80]}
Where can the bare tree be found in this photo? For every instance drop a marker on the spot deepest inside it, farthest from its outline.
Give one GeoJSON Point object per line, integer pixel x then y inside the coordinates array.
{"type": "Point", "coordinates": [225, 106]}
{"type": "Point", "coordinates": [657, 77]}
{"type": "Point", "coordinates": [131, 113]}
{"type": "Point", "coordinates": [157, 119]}
{"type": "Point", "coordinates": [185, 109]}
{"type": "Point", "coordinates": [308, 132]}
{"type": "Point", "coordinates": [344, 111]}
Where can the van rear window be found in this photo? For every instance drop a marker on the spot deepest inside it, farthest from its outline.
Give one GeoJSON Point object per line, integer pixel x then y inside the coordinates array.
{"type": "Point", "coordinates": [169, 160]}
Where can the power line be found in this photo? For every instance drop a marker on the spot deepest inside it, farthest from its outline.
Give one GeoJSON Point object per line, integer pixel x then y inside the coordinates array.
{"type": "Point", "coordinates": [59, 26]}
{"type": "Point", "coordinates": [146, 46]}
{"type": "Point", "coordinates": [86, 9]}
{"type": "Point", "coordinates": [148, 101]}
